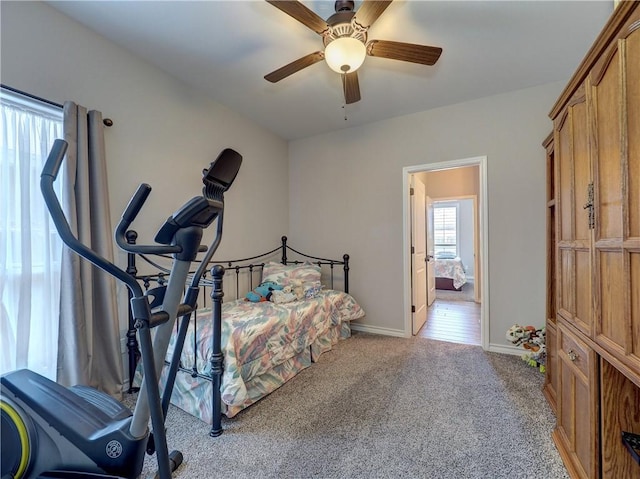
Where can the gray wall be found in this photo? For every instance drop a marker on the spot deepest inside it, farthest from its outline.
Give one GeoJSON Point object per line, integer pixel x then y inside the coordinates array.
{"type": "Point", "coordinates": [346, 196]}
{"type": "Point", "coordinates": [465, 215]}
{"type": "Point", "coordinates": [344, 189]}
{"type": "Point", "coordinates": [164, 133]}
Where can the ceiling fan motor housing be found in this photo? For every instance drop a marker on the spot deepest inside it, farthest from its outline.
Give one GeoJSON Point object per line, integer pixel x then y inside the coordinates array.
{"type": "Point", "coordinates": [344, 5]}
{"type": "Point", "coordinates": [347, 54]}
{"type": "Point", "coordinates": [341, 25]}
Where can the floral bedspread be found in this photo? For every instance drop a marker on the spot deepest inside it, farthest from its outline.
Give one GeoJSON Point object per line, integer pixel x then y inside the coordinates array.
{"type": "Point", "coordinates": [451, 268]}
{"type": "Point", "coordinates": [256, 337]}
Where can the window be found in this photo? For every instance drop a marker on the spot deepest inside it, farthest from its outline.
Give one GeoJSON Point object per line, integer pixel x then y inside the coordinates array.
{"type": "Point", "coordinates": [30, 248]}
{"type": "Point", "coordinates": [445, 229]}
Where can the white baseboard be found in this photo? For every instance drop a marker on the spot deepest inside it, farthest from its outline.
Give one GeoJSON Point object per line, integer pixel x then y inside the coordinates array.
{"type": "Point", "coordinates": [501, 348]}
{"type": "Point", "coordinates": [365, 328]}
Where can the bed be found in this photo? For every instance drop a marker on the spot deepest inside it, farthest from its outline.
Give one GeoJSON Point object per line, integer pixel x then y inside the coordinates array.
{"type": "Point", "coordinates": [237, 351]}
{"type": "Point", "coordinates": [450, 274]}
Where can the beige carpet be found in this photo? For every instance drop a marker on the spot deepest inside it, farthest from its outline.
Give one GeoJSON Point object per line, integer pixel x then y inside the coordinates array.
{"type": "Point", "coordinates": [384, 407]}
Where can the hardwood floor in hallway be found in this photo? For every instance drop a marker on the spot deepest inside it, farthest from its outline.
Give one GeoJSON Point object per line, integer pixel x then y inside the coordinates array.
{"type": "Point", "coordinates": [453, 321]}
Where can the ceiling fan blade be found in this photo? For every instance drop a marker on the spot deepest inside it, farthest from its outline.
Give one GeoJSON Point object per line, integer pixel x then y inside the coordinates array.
{"type": "Point", "coordinates": [406, 52]}
{"type": "Point", "coordinates": [351, 87]}
{"type": "Point", "coordinates": [293, 67]}
{"type": "Point", "coordinates": [301, 13]}
{"type": "Point", "coordinates": [369, 12]}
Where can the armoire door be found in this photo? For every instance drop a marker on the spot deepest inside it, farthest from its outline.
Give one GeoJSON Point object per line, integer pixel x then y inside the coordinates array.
{"type": "Point", "coordinates": [574, 197]}
{"type": "Point", "coordinates": [615, 99]}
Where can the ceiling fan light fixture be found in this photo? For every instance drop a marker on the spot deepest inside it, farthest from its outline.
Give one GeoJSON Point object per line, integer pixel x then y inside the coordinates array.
{"type": "Point", "coordinates": [345, 54]}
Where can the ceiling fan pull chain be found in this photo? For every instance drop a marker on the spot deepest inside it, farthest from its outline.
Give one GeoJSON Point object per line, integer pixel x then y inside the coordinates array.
{"type": "Point", "coordinates": [344, 94]}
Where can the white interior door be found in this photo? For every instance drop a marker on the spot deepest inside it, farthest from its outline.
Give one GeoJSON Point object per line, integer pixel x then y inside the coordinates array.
{"type": "Point", "coordinates": [431, 263]}
{"type": "Point", "coordinates": [419, 255]}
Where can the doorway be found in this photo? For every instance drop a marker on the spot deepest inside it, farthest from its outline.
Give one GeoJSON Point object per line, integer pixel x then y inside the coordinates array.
{"type": "Point", "coordinates": [451, 181]}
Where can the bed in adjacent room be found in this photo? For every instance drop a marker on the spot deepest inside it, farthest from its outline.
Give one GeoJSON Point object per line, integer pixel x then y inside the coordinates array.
{"type": "Point", "coordinates": [449, 271]}
{"type": "Point", "coordinates": [264, 343]}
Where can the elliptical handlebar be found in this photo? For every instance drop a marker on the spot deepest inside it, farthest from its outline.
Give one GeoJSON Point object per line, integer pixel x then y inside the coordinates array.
{"type": "Point", "coordinates": [133, 208]}
{"type": "Point", "coordinates": [54, 160]}
{"type": "Point", "coordinates": [136, 202]}
{"type": "Point", "coordinates": [47, 177]}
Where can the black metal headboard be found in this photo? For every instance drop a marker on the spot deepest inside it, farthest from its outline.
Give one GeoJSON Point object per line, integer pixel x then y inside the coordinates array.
{"type": "Point", "coordinates": [246, 273]}
{"type": "Point", "coordinates": [251, 268]}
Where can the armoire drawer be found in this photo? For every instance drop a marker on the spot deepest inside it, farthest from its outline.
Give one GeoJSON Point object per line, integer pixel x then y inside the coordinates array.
{"type": "Point", "coordinates": [574, 350]}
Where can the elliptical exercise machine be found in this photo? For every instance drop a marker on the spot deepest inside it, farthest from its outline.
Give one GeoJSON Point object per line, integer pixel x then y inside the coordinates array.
{"type": "Point", "coordinates": [51, 431]}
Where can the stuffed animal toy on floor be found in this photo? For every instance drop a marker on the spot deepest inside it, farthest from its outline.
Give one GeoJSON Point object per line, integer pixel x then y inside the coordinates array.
{"type": "Point", "coordinates": [262, 292]}
{"type": "Point", "coordinates": [532, 340]}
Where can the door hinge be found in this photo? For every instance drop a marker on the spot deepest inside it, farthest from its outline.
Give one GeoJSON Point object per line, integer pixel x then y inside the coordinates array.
{"type": "Point", "coordinates": [413, 250]}
{"type": "Point", "coordinates": [411, 191]}
{"type": "Point", "coordinates": [413, 308]}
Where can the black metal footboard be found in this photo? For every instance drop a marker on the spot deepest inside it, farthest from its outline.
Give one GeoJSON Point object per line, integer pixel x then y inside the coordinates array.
{"type": "Point", "coordinates": [216, 351]}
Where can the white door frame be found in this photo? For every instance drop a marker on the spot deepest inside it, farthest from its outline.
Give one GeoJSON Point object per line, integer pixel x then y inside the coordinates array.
{"type": "Point", "coordinates": [483, 274]}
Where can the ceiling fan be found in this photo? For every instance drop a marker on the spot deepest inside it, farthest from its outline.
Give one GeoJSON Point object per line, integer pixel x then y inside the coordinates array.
{"type": "Point", "coordinates": [344, 35]}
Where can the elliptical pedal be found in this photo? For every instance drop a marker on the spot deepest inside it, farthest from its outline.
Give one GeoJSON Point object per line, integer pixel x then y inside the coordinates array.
{"type": "Point", "coordinates": [58, 402]}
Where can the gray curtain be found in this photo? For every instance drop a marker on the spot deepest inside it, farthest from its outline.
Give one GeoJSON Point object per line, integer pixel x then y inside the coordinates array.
{"type": "Point", "coordinates": [89, 343]}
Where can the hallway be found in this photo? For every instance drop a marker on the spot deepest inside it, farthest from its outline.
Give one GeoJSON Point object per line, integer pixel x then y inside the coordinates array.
{"type": "Point", "coordinates": [452, 321]}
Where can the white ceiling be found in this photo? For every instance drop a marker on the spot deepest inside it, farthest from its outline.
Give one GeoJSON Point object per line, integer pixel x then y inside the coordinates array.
{"type": "Point", "coordinates": [225, 48]}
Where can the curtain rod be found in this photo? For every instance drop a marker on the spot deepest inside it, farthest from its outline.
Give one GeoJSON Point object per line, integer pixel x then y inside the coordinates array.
{"type": "Point", "coordinates": [105, 121]}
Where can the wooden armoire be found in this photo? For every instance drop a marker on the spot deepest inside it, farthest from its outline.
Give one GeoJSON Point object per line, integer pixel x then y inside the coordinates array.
{"type": "Point", "coordinates": [593, 267]}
